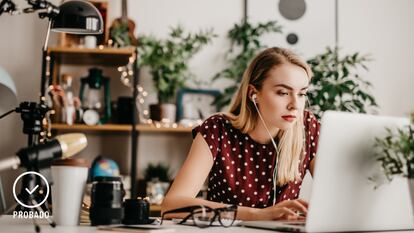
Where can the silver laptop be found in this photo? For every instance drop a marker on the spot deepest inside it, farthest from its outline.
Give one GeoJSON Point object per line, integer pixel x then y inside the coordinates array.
{"type": "Point", "coordinates": [343, 198]}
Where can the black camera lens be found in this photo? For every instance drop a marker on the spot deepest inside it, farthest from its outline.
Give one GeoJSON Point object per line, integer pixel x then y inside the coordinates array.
{"type": "Point", "coordinates": [106, 201]}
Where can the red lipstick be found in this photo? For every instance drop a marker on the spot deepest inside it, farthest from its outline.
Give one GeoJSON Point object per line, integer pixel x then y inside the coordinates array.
{"type": "Point", "coordinates": [289, 118]}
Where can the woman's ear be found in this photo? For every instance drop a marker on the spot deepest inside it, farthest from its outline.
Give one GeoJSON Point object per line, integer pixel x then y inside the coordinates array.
{"type": "Point", "coordinates": [251, 91]}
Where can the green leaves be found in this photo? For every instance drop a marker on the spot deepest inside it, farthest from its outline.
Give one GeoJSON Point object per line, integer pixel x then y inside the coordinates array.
{"type": "Point", "coordinates": [336, 85]}
{"type": "Point", "coordinates": [248, 35]}
{"type": "Point", "coordinates": [244, 38]}
{"type": "Point", "coordinates": [159, 171]}
{"type": "Point", "coordinates": [168, 59]}
{"type": "Point", "coordinates": [395, 152]}
{"type": "Point", "coordinates": [120, 35]}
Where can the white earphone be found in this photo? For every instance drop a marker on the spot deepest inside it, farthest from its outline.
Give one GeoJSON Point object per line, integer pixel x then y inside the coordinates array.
{"type": "Point", "coordinates": [254, 100]}
{"type": "Point", "coordinates": [254, 96]}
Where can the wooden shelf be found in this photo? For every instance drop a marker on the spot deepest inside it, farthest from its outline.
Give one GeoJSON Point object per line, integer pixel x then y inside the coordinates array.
{"type": "Point", "coordinates": [85, 56]}
{"type": "Point", "coordinates": [120, 128]}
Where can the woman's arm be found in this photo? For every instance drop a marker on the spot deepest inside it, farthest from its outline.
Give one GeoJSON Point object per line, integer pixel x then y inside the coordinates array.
{"type": "Point", "coordinates": [312, 166]}
{"type": "Point", "coordinates": [191, 177]}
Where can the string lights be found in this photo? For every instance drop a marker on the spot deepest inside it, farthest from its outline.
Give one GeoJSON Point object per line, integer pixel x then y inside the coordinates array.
{"type": "Point", "coordinates": [126, 77]}
{"type": "Point", "coordinates": [47, 122]}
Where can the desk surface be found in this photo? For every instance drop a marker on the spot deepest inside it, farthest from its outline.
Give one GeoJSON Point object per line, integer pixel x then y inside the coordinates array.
{"type": "Point", "coordinates": [10, 225]}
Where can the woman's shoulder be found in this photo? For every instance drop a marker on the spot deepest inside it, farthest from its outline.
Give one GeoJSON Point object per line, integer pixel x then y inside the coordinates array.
{"type": "Point", "coordinates": [216, 120]}
{"type": "Point", "coordinates": [213, 124]}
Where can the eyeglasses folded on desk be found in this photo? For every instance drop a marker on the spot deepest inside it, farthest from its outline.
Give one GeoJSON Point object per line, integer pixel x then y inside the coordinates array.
{"type": "Point", "coordinates": [204, 216]}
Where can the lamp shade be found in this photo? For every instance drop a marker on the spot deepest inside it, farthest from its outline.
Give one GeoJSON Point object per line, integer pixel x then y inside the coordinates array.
{"type": "Point", "coordinates": [78, 17]}
{"type": "Point", "coordinates": [8, 94]}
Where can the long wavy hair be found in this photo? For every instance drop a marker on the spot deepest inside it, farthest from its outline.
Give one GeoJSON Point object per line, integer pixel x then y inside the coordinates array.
{"type": "Point", "coordinates": [243, 115]}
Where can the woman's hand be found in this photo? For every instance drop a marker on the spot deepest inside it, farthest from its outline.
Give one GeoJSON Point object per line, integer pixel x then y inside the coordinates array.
{"type": "Point", "coordinates": [285, 210]}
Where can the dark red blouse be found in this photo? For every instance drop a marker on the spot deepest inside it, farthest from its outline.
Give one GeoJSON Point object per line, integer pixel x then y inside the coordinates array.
{"type": "Point", "coordinates": [243, 168]}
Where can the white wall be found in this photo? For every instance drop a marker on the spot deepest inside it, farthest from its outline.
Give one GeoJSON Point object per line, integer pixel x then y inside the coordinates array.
{"type": "Point", "coordinates": [384, 29]}
{"type": "Point", "coordinates": [379, 27]}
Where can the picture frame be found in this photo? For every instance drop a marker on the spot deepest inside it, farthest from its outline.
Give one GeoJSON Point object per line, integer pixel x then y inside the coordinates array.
{"type": "Point", "coordinates": [196, 103]}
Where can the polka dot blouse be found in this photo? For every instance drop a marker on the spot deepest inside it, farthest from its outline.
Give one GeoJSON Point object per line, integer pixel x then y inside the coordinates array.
{"type": "Point", "coordinates": [243, 168]}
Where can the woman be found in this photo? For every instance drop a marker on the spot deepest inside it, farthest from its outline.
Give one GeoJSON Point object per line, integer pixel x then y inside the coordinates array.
{"type": "Point", "coordinates": [235, 150]}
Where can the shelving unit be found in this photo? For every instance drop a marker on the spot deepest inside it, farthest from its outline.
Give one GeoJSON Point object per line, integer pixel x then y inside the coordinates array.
{"type": "Point", "coordinates": [121, 128]}
{"type": "Point", "coordinates": [111, 57]}
{"type": "Point", "coordinates": [97, 56]}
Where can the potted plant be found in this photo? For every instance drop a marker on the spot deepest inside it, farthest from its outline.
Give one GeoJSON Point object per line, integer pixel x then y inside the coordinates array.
{"type": "Point", "coordinates": [168, 60]}
{"type": "Point", "coordinates": [157, 180]}
{"type": "Point", "coordinates": [336, 84]}
{"type": "Point", "coordinates": [395, 152]}
{"type": "Point", "coordinates": [245, 44]}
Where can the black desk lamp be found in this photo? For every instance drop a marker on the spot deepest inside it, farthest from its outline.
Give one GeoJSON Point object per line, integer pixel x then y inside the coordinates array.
{"type": "Point", "coordinates": [78, 17]}
{"type": "Point", "coordinates": [73, 17]}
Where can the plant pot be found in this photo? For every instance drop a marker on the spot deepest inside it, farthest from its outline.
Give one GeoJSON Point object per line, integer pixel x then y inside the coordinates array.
{"type": "Point", "coordinates": [160, 112]}
{"type": "Point", "coordinates": [411, 190]}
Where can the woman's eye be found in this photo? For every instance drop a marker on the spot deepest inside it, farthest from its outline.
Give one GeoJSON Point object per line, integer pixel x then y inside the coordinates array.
{"type": "Point", "coordinates": [303, 94]}
{"type": "Point", "coordinates": [281, 93]}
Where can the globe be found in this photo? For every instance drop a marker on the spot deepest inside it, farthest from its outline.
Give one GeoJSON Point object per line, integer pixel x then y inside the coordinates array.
{"type": "Point", "coordinates": [105, 167]}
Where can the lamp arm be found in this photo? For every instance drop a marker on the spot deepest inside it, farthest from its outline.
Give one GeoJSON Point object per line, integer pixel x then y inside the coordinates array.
{"type": "Point", "coordinates": [44, 75]}
{"type": "Point", "coordinates": [7, 113]}
{"type": "Point", "coordinates": [49, 25]}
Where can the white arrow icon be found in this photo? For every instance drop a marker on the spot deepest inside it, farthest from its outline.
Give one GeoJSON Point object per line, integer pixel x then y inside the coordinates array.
{"type": "Point", "coordinates": [34, 189]}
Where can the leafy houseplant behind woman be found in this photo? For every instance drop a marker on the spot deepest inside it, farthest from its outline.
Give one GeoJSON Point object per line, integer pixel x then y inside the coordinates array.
{"type": "Point", "coordinates": [168, 60]}
{"type": "Point", "coordinates": [337, 84]}
{"type": "Point", "coordinates": [396, 152]}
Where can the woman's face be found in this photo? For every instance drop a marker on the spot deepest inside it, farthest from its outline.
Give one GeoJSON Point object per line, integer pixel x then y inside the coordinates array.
{"type": "Point", "coordinates": [282, 97]}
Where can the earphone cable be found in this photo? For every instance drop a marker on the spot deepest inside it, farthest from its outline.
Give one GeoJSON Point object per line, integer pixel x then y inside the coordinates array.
{"type": "Point", "coordinates": [277, 154]}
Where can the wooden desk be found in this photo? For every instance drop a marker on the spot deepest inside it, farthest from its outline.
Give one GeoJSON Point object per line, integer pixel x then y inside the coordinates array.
{"type": "Point", "coordinates": [10, 225]}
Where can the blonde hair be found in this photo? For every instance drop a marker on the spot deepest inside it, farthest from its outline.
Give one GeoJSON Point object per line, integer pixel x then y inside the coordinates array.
{"type": "Point", "coordinates": [243, 114]}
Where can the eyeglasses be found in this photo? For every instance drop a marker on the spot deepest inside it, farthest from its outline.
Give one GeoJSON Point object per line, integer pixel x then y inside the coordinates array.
{"type": "Point", "coordinates": [204, 216]}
